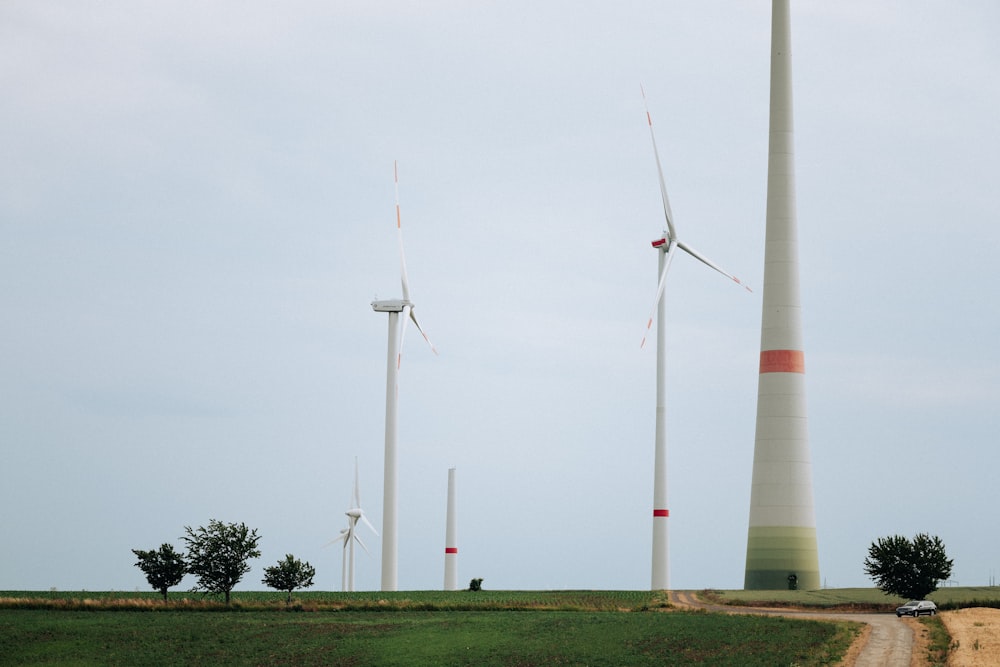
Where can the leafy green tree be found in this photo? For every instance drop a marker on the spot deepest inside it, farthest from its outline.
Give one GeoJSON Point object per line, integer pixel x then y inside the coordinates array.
{"type": "Point", "coordinates": [163, 567]}
{"type": "Point", "coordinates": [476, 584]}
{"type": "Point", "coordinates": [218, 554]}
{"type": "Point", "coordinates": [288, 575]}
{"type": "Point", "coordinates": [908, 568]}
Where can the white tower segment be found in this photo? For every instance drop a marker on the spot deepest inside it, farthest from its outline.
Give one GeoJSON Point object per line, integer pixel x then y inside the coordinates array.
{"type": "Point", "coordinates": [451, 538]}
{"type": "Point", "coordinates": [390, 554]}
{"type": "Point", "coordinates": [660, 576]}
{"type": "Point", "coordinates": [781, 541]}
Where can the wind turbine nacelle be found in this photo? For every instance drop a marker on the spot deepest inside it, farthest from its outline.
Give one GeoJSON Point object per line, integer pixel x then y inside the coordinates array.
{"type": "Point", "coordinates": [659, 243]}
{"type": "Point", "coordinates": [391, 306]}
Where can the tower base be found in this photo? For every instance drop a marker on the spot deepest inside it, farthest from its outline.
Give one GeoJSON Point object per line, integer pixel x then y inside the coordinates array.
{"type": "Point", "coordinates": [776, 554]}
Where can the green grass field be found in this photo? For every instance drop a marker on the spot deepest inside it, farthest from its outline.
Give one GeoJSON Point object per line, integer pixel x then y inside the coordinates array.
{"type": "Point", "coordinates": [503, 628]}
{"type": "Point", "coordinates": [36, 637]}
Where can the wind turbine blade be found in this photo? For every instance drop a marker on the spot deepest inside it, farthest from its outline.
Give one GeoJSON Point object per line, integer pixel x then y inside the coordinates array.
{"type": "Point", "coordinates": [413, 317]}
{"type": "Point", "coordinates": [659, 168]}
{"type": "Point", "coordinates": [659, 290]}
{"type": "Point", "coordinates": [369, 524]}
{"type": "Point", "coordinates": [399, 234]}
{"type": "Point", "coordinates": [343, 536]}
{"type": "Point", "coordinates": [351, 534]}
{"type": "Point", "coordinates": [407, 310]}
{"type": "Point", "coordinates": [701, 258]}
{"type": "Point", "coordinates": [404, 279]}
{"type": "Point", "coordinates": [357, 538]}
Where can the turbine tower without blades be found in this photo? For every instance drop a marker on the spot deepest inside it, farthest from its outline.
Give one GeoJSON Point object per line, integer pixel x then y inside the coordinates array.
{"type": "Point", "coordinates": [781, 539]}
{"type": "Point", "coordinates": [665, 245]}
{"type": "Point", "coordinates": [397, 332]}
{"type": "Point", "coordinates": [451, 538]}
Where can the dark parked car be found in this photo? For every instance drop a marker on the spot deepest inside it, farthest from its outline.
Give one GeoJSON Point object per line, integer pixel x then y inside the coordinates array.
{"type": "Point", "coordinates": [916, 608]}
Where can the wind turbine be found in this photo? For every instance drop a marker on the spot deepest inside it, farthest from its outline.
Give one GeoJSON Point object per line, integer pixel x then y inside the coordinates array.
{"type": "Point", "coordinates": [390, 506]}
{"type": "Point", "coordinates": [666, 245]}
{"type": "Point", "coordinates": [350, 535]}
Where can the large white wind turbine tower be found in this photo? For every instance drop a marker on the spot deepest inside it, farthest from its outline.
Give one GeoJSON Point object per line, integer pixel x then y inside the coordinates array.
{"type": "Point", "coordinates": [397, 332]}
{"type": "Point", "coordinates": [781, 540]}
{"type": "Point", "coordinates": [451, 538]}
{"type": "Point", "coordinates": [350, 535]}
{"type": "Point", "coordinates": [665, 245]}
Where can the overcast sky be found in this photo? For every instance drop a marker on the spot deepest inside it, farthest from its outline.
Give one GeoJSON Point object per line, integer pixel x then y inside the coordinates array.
{"type": "Point", "coordinates": [196, 211]}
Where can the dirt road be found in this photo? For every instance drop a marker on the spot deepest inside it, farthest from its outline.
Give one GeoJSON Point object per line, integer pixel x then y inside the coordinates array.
{"type": "Point", "coordinates": [888, 644]}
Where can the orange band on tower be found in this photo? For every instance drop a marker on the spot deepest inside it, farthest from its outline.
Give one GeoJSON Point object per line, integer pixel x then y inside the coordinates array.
{"type": "Point", "coordinates": [782, 361]}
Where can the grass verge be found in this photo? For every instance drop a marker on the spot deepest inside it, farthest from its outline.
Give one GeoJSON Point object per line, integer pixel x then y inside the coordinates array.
{"type": "Point", "coordinates": [575, 600]}
{"type": "Point", "coordinates": [939, 641]}
{"type": "Point", "coordinates": [854, 599]}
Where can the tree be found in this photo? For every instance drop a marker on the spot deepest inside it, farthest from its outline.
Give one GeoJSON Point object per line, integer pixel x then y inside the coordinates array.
{"type": "Point", "coordinates": [163, 567]}
{"type": "Point", "coordinates": [910, 569]}
{"type": "Point", "coordinates": [218, 554]}
{"type": "Point", "coordinates": [288, 575]}
{"type": "Point", "coordinates": [476, 584]}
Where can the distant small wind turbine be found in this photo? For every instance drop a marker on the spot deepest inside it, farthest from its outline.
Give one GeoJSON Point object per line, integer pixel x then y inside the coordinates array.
{"type": "Point", "coordinates": [390, 505]}
{"type": "Point", "coordinates": [350, 535]}
{"type": "Point", "coordinates": [666, 245]}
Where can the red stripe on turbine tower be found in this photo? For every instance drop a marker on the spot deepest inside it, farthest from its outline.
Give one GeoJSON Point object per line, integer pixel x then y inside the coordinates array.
{"type": "Point", "coordinates": [782, 361]}
{"type": "Point", "coordinates": [661, 512]}
{"type": "Point", "coordinates": [451, 550]}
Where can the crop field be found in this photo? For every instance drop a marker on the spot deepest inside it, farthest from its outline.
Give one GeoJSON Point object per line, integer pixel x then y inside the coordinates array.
{"type": "Point", "coordinates": [502, 628]}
